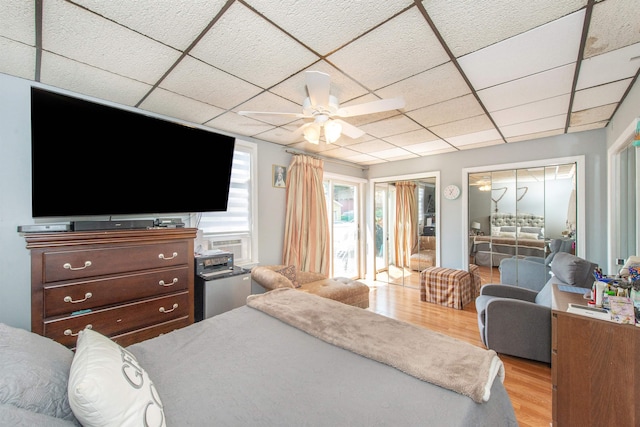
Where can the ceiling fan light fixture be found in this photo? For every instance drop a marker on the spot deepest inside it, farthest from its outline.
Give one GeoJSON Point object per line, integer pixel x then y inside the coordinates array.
{"type": "Point", "coordinates": [312, 133]}
{"type": "Point", "coordinates": [332, 131]}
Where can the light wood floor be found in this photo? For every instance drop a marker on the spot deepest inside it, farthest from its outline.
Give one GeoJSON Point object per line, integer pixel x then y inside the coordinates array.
{"type": "Point", "coordinates": [527, 382]}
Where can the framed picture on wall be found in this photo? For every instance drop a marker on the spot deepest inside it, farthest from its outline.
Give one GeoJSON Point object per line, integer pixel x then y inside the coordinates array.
{"type": "Point", "coordinates": [279, 176]}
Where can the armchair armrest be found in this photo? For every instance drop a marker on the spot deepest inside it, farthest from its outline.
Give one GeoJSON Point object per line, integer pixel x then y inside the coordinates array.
{"type": "Point", "coordinates": [269, 279]}
{"type": "Point", "coordinates": [508, 291]}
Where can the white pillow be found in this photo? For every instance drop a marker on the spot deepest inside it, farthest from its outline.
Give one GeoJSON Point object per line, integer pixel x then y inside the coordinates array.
{"type": "Point", "coordinates": [523, 235]}
{"type": "Point", "coordinates": [108, 387]}
{"type": "Point", "coordinates": [508, 234]}
{"type": "Point", "coordinates": [495, 231]}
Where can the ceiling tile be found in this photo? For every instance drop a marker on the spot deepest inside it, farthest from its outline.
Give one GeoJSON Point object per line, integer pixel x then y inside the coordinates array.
{"type": "Point", "coordinates": [610, 28]}
{"type": "Point", "coordinates": [232, 122]}
{"type": "Point", "coordinates": [592, 115]}
{"type": "Point", "coordinates": [588, 126]}
{"type": "Point", "coordinates": [176, 23]}
{"type": "Point", "coordinates": [410, 138]}
{"type": "Point", "coordinates": [461, 127]}
{"type": "Point", "coordinates": [394, 154]}
{"type": "Point", "coordinates": [430, 147]}
{"type": "Point", "coordinates": [474, 138]}
{"type": "Point", "coordinates": [609, 67]}
{"type": "Point", "coordinates": [394, 51]}
{"type": "Point", "coordinates": [278, 135]}
{"type": "Point", "coordinates": [600, 95]}
{"type": "Point", "coordinates": [548, 46]}
{"type": "Point", "coordinates": [535, 135]}
{"type": "Point", "coordinates": [173, 105]}
{"type": "Point", "coordinates": [529, 89]}
{"type": "Point", "coordinates": [535, 126]}
{"type": "Point", "coordinates": [361, 158]}
{"type": "Point", "coordinates": [471, 146]}
{"type": "Point", "coordinates": [468, 26]}
{"type": "Point", "coordinates": [391, 126]}
{"type": "Point", "coordinates": [430, 87]}
{"type": "Point", "coordinates": [17, 59]}
{"type": "Point", "coordinates": [17, 21]}
{"type": "Point", "coordinates": [242, 43]}
{"type": "Point", "coordinates": [532, 111]}
{"type": "Point", "coordinates": [447, 111]}
{"type": "Point", "coordinates": [81, 78]}
{"type": "Point", "coordinates": [338, 21]}
{"type": "Point", "coordinates": [371, 146]}
{"type": "Point", "coordinates": [197, 80]}
{"type": "Point", "coordinates": [78, 34]}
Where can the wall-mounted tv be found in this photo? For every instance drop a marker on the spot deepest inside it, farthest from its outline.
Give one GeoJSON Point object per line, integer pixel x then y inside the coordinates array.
{"type": "Point", "coordinates": [90, 159]}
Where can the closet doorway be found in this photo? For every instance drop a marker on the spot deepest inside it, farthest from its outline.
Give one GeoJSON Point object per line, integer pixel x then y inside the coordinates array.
{"type": "Point", "coordinates": [405, 224]}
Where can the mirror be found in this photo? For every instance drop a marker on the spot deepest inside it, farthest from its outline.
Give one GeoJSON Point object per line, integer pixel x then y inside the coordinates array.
{"type": "Point", "coordinates": [404, 230]}
{"type": "Point", "coordinates": [518, 219]}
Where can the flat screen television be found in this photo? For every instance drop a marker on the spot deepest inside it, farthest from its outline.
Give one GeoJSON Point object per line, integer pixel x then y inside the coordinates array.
{"type": "Point", "coordinates": [90, 159]}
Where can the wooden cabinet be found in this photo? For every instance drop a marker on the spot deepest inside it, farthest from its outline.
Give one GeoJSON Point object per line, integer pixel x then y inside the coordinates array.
{"type": "Point", "coordinates": [130, 285]}
{"type": "Point", "coordinates": [594, 364]}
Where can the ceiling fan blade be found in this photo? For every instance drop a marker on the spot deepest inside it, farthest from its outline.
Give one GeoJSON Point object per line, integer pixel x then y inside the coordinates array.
{"type": "Point", "coordinates": [350, 130]}
{"type": "Point", "coordinates": [318, 85]}
{"type": "Point", "coordinates": [271, 113]}
{"type": "Point", "coordinates": [371, 107]}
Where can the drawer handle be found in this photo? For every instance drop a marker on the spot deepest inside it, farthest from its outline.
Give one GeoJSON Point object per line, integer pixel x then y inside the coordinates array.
{"type": "Point", "coordinates": [68, 266]}
{"type": "Point", "coordinates": [163, 310]}
{"type": "Point", "coordinates": [72, 301]}
{"type": "Point", "coordinates": [173, 282]}
{"type": "Point", "coordinates": [69, 332]}
{"type": "Point", "coordinates": [161, 256]}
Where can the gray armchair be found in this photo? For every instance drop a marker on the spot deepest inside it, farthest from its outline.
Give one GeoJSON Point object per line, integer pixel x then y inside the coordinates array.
{"type": "Point", "coordinates": [532, 272]}
{"type": "Point", "coordinates": [517, 321]}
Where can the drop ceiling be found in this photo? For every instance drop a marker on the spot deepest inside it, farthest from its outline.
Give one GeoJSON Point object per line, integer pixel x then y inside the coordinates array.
{"type": "Point", "coordinates": [472, 73]}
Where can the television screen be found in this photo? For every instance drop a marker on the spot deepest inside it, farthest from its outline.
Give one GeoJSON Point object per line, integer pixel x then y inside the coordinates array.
{"type": "Point", "coordinates": [93, 159]}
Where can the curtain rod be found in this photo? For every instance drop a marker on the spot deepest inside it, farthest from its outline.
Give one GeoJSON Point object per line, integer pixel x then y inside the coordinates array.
{"type": "Point", "coordinates": [328, 159]}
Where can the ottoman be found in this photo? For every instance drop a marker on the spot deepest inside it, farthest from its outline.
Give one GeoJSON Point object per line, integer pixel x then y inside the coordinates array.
{"type": "Point", "coordinates": [450, 287]}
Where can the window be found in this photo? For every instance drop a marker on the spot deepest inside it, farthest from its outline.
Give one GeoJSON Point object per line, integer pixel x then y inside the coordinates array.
{"type": "Point", "coordinates": [234, 230]}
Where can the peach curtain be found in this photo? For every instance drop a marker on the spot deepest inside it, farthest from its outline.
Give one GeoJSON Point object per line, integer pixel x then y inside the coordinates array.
{"type": "Point", "coordinates": [306, 234]}
{"type": "Point", "coordinates": [406, 221]}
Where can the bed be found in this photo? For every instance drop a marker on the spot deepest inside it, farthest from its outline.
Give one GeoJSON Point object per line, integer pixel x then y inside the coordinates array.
{"type": "Point", "coordinates": [279, 360]}
{"type": "Point", "coordinates": [511, 235]}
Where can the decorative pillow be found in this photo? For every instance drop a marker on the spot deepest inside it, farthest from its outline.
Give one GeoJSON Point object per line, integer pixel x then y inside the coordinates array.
{"type": "Point", "coordinates": [523, 235]}
{"type": "Point", "coordinates": [530, 230]}
{"type": "Point", "coordinates": [108, 387]}
{"type": "Point", "coordinates": [508, 234]}
{"type": "Point", "coordinates": [508, 229]}
{"type": "Point", "coordinates": [565, 266]}
{"type": "Point", "coordinates": [290, 273]}
{"type": "Point", "coordinates": [495, 231]}
{"type": "Point", "coordinates": [33, 373]}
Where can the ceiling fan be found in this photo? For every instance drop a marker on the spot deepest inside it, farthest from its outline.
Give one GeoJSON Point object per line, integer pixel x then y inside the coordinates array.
{"type": "Point", "coordinates": [326, 112]}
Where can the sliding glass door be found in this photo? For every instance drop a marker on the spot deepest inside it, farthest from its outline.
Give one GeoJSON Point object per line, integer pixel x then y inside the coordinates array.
{"type": "Point", "coordinates": [343, 202]}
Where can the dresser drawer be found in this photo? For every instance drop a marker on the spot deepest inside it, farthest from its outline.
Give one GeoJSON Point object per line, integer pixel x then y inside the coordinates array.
{"type": "Point", "coordinates": [104, 291]}
{"type": "Point", "coordinates": [133, 337]}
{"type": "Point", "coordinates": [119, 319]}
{"type": "Point", "coordinates": [75, 264]}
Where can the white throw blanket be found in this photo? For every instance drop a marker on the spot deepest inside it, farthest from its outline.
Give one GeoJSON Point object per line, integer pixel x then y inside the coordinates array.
{"type": "Point", "coordinates": [422, 353]}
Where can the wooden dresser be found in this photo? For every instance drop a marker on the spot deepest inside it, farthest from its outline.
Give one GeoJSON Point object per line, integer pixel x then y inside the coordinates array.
{"type": "Point", "coordinates": [130, 285]}
{"type": "Point", "coordinates": [594, 364]}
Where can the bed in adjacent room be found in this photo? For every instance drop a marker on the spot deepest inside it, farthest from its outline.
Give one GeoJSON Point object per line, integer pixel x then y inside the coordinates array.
{"type": "Point", "coordinates": [287, 358]}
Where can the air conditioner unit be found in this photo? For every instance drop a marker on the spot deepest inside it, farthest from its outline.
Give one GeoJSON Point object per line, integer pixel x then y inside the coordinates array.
{"type": "Point", "coordinates": [238, 247]}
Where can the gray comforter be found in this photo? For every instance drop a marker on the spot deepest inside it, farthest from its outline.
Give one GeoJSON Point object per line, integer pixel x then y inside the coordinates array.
{"type": "Point", "coordinates": [246, 368]}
